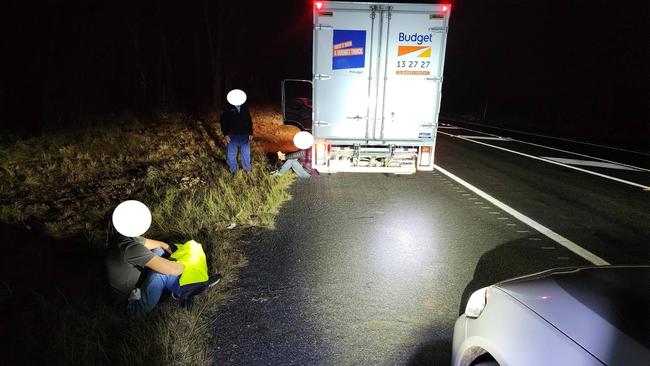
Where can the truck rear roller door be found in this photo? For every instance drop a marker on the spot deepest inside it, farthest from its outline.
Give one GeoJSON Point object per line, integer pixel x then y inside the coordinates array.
{"type": "Point", "coordinates": [342, 41]}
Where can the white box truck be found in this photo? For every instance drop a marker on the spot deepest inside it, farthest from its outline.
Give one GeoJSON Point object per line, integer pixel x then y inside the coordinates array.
{"type": "Point", "coordinates": [377, 81]}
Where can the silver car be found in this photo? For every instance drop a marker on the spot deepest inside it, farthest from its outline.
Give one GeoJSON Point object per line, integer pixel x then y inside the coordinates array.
{"type": "Point", "coordinates": [571, 316]}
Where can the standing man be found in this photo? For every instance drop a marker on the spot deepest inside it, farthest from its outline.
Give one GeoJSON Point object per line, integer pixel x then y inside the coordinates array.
{"type": "Point", "coordinates": [237, 129]}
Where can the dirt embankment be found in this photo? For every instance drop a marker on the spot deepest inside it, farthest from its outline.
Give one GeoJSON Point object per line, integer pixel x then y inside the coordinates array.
{"type": "Point", "coordinates": [271, 132]}
{"type": "Point", "coordinates": [274, 138]}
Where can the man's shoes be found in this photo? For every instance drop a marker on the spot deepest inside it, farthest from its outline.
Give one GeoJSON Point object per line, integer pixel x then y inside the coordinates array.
{"type": "Point", "coordinates": [275, 172]}
{"type": "Point", "coordinates": [135, 295]}
{"type": "Point", "coordinates": [213, 280]}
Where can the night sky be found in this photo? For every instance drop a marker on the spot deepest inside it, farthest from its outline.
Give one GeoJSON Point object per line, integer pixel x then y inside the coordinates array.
{"type": "Point", "coordinates": [576, 69]}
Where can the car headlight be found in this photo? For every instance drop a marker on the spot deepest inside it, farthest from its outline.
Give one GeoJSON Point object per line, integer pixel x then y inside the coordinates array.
{"type": "Point", "coordinates": [476, 303]}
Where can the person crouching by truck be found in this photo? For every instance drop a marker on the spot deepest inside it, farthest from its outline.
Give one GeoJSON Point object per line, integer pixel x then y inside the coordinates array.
{"type": "Point", "coordinates": [237, 128]}
{"type": "Point", "coordinates": [303, 140]}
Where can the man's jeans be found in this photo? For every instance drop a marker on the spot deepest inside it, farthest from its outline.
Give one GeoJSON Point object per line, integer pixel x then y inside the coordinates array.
{"type": "Point", "coordinates": [231, 153]}
{"type": "Point", "coordinates": [151, 290]}
{"type": "Point", "coordinates": [296, 166]}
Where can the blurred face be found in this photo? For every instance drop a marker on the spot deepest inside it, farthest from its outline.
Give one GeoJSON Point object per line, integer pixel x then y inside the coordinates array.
{"type": "Point", "coordinates": [131, 218]}
{"type": "Point", "coordinates": [303, 140]}
{"type": "Point", "coordinates": [236, 97]}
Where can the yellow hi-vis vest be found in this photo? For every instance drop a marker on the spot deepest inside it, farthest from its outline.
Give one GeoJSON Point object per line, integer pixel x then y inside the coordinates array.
{"type": "Point", "coordinates": [192, 256]}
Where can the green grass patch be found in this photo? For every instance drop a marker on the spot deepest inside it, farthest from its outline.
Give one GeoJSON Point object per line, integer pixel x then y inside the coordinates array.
{"type": "Point", "coordinates": [56, 196]}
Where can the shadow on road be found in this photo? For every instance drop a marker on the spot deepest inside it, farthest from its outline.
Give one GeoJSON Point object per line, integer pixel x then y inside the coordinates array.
{"type": "Point", "coordinates": [516, 258]}
{"type": "Point", "coordinates": [434, 353]}
{"type": "Point", "coordinates": [513, 259]}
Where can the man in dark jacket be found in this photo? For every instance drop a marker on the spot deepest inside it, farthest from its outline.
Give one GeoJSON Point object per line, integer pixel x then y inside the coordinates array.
{"type": "Point", "coordinates": [237, 128]}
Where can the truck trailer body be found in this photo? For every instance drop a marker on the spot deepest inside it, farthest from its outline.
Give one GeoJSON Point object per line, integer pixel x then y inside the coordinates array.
{"type": "Point", "coordinates": [377, 81]}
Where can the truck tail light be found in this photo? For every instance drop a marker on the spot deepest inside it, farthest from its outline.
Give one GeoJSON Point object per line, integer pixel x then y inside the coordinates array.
{"type": "Point", "coordinates": [319, 5]}
{"type": "Point", "coordinates": [425, 155]}
{"type": "Point", "coordinates": [321, 154]}
{"type": "Point", "coordinates": [445, 8]}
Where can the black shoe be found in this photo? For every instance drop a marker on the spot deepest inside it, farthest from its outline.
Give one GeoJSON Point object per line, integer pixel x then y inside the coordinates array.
{"type": "Point", "coordinates": [213, 280]}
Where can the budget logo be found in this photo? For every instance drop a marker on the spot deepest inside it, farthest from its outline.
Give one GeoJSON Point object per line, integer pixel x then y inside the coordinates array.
{"type": "Point", "coordinates": [417, 51]}
{"type": "Point", "coordinates": [415, 37]}
{"type": "Point", "coordinates": [348, 49]}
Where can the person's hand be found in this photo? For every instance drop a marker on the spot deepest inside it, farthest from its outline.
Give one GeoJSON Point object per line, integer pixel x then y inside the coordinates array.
{"type": "Point", "coordinates": [250, 137]}
{"type": "Point", "coordinates": [166, 247]}
{"type": "Point", "coordinates": [281, 155]}
{"type": "Point", "coordinates": [226, 139]}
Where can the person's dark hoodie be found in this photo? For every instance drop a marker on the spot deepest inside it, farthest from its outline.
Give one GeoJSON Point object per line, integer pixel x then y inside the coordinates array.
{"type": "Point", "coordinates": [234, 122]}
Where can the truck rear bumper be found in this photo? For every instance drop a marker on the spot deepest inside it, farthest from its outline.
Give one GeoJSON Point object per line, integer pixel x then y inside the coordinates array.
{"type": "Point", "coordinates": [366, 169]}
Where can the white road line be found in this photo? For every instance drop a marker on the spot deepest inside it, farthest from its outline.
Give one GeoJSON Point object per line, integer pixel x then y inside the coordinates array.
{"type": "Point", "coordinates": [553, 162]}
{"type": "Point", "coordinates": [592, 163]}
{"type": "Point", "coordinates": [498, 138]}
{"type": "Point", "coordinates": [556, 149]}
{"type": "Point", "coordinates": [575, 248]}
{"type": "Point", "coordinates": [550, 137]}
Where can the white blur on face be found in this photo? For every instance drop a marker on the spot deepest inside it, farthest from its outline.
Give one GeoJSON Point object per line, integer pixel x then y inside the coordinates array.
{"type": "Point", "coordinates": [131, 218]}
{"type": "Point", "coordinates": [236, 97]}
{"type": "Point", "coordinates": [303, 140]}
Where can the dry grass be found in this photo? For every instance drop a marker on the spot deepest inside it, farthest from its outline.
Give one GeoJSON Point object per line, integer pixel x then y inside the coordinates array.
{"type": "Point", "coordinates": [65, 186]}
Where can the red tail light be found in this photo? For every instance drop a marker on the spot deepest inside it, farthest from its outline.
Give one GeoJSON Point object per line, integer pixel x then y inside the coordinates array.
{"type": "Point", "coordinates": [425, 156]}
{"type": "Point", "coordinates": [445, 8]}
{"type": "Point", "coordinates": [319, 5]}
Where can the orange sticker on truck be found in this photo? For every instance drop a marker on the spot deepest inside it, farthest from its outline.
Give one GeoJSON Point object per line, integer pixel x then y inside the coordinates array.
{"type": "Point", "coordinates": [405, 50]}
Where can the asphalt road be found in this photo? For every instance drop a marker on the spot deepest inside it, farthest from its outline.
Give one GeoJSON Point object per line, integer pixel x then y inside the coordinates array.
{"type": "Point", "coordinates": [370, 269]}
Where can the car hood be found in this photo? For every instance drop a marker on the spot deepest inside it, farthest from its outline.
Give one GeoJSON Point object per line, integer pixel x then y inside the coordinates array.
{"type": "Point", "coordinates": [603, 309]}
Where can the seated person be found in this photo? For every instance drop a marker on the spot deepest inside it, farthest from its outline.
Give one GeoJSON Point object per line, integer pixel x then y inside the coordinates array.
{"type": "Point", "coordinates": [303, 140]}
{"type": "Point", "coordinates": [137, 272]}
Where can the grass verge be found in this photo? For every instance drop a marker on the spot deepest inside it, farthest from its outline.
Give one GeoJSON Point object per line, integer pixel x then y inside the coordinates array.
{"type": "Point", "coordinates": [56, 196]}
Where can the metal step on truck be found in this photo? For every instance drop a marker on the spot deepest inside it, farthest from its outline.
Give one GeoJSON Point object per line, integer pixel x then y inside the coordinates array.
{"type": "Point", "coordinates": [376, 87]}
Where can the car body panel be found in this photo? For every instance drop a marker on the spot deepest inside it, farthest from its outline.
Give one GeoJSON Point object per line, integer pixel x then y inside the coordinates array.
{"type": "Point", "coordinates": [583, 325]}
{"type": "Point", "coordinates": [593, 315]}
{"type": "Point", "coordinates": [504, 330]}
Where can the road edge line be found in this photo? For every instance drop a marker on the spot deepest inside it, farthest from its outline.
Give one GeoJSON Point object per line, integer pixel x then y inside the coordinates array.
{"type": "Point", "coordinates": [550, 161]}
{"type": "Point", "coordinates": [557, 149]}
{"type": "Point", "coordinates": [456, 120]}
{"type": "Point", "coordinates": [573, 247]}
